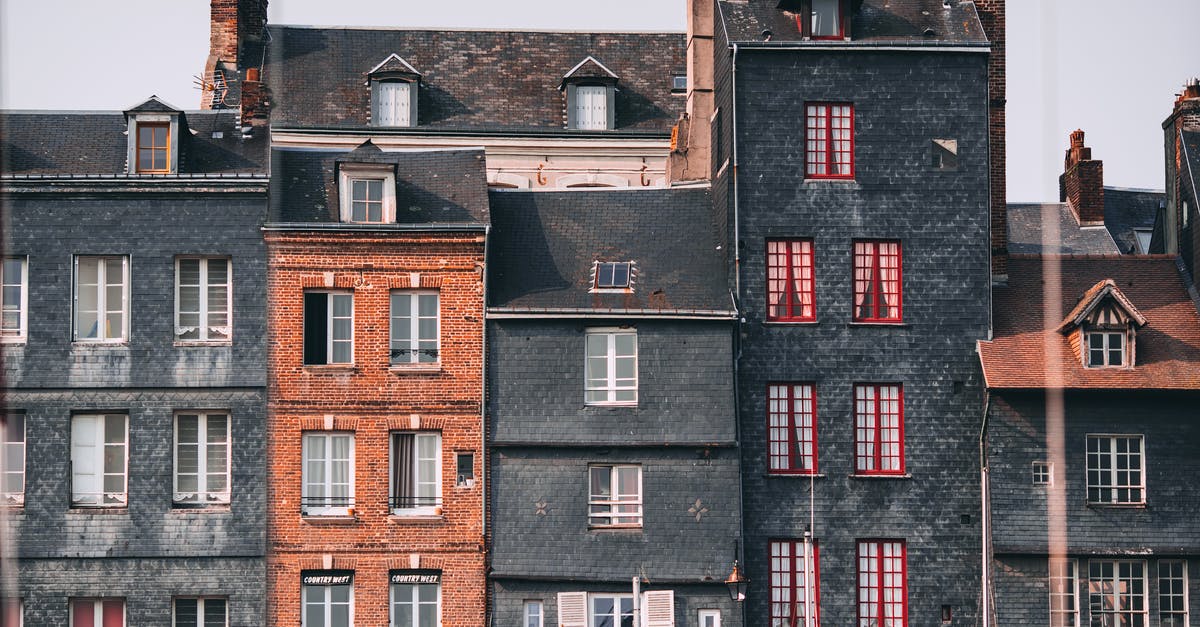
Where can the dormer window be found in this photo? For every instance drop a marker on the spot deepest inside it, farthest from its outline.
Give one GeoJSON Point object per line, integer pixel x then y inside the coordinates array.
{"type": "Point", "coordinates": [1106, 349]}
{"type": "Point", "coordinates": [154, 147]}
{"type": "Point", "coordinates": [154, 129]}
{"type": "Point", "coordinates": [820, 19]}
{"type": "Point", "coordinates": [368, 193]}
{"type": "Point", "coordinates": [1103, 325]}
{"type": "Point", "coordinates": [395, 85]}
{"type": "Point", "coordinates": [613, 276]}
{"type": "Point", "coordinates": [591, 89]}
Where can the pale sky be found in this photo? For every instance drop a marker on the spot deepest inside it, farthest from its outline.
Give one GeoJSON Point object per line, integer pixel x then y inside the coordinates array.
{"type": "Point", "coordinates": [1090, 64]}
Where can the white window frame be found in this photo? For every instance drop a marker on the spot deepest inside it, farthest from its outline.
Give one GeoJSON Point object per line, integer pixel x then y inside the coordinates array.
{"type": "Point", "coordinates": [1113, 589]}
{"type": "Point", "coordinates": [1182, 583]}
{"type": "Point", "coordinates": [102, 304]}
{"type": "Point", "coordinates": [8, 450]}
{"type": "Point", "coordinates": [203, 496]}
{"type": "Point", "coordinates": [103, 498]}
{"type": "Point", "coordinates": [1063, 582]}
{"type": "Point", "coordinates": [615, 500]}
{"type": "Point", "coordinates": [606, 393]}
{"type": "Point", "coordinates": [599, 269]}
{"type": "Point", "coordinates": [205, 311]}
{"type": "Point", "coordinates": [350, 172]}
{"type": "Point", "coordinates": [404, 95]}
{"type": "Point", "coordinates": [97, 609]}
{"type": "Point", "coordinates": [417, 510]}
{"type": "Point", "coordinates": [1048, 468]}
{"type": "Point", "coordinates": [327, 603]}
{"type": "Point", "coordinates": [1106, 348]}
{"type": "Point", "coordinates": [586, 99]}
{"type": "Point", "coordinates": [19, 334]}
{"type": "Point", "coordinates": [617, 613]}
{"type": "Point", "coordinates": [533, 613]}
{"type": "Point", "coordinates": [327, 484]}
{"type": "Point", "coordinates": [392, 603]}
{"type": "Point", "coordinates": [715, 615]}
{"type": "Point", "coordinates": [1109, 476]}
{"type": "Point", "coordinates": [328, 320]}
{"type": "Point", "coordinates": [200, 603]}
{"type": "Point", "coordinates": [413, 319]}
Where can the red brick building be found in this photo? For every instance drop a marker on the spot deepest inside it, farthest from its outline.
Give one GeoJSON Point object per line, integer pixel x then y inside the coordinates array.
{"type": "Point", "coordinates": [375, 309]}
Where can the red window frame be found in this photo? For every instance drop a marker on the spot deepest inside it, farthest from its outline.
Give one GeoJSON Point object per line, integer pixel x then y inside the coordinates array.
{"type": "Point", "coordinates": [792, 428]}
{"type": "Point", "coordinates": [786, 595]}
{"type": "Point", "coordinates": [791, 281]}
{"type": "Point", "coordinates": [805, 25]}
{"type": "Point", "coordinates": [878, 281]}
{"type": "Point", "coordinates": [828, 140]}
{"type": "Point", "coordinates": [878, 441]}
{"type": "Point", "coordinates": [882, 577]}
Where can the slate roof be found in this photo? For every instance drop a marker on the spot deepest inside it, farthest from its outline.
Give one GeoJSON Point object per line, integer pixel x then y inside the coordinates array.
{"type": "Point", "coordinates": [1168, 346]}
{"type": "Point", "coordinates": [1129, 209]}
{"type": "Point", "coordinates": [79, 143]}
{"type": "Point", "coordinates": [1025, 226]}
{"type": "Point", "coordinates": [432, 187]}
{"type": "Point", "coordinates": [471, 80]}
{"type": "Point", "coordinates": [543, 246]}
{"type": "Point", "coordinates": [898, 22]}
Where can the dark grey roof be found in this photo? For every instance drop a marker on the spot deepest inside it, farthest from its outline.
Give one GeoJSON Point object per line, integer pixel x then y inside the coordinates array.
{"type": "Point", "coordinates": [543, 246]}
{"type": "Point", "coordinates": [153, 104]}
{"type": "Point", "coordinates": [436, 186]}
{"type": "Point", "coordinates": [1025, 232]}
{"type": "Point", "coordinates": [50, 143]}
{"type": "Point", "coordinates": [1129, 209]}
{"type": "Point", "coordinates": [471, 80]}
{"type": "Point", "coordinates": [902, 22]}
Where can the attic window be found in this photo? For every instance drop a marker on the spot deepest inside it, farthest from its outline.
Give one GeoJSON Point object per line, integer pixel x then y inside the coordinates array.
{"type": "Point", "coordinates": [1103, 326]}
{"type": "Point", "coordinates": [613, 275]}
{"type": "Point", "coordinates": [154, 147]}
{"type": "Point", "coordinates": [395, 86]}
{"type": "Point", "coordinates": [821, 19]}
{"type": "Point", "coordinates": [591, 89]}
{"type": "Point", "coordinates": [1106, 349]}
{"type": "Point", "coordinates": [367, 194]}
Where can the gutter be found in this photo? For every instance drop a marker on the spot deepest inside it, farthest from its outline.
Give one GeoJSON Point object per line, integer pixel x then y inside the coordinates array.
{"type": "Point", "coordinates": [425, 132]}
{"type": "Point", "coordinates": [534, 313]}
{"type": "Point", "coordinates": [340, 227]}
{"type": "Point", "coordinates": [886, 46]}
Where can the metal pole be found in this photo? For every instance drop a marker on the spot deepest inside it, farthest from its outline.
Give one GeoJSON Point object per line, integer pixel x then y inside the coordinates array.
{"type": "Point", "coordinates": [637, 605]}
{"type": "Point", "coordinates": [808, 615]}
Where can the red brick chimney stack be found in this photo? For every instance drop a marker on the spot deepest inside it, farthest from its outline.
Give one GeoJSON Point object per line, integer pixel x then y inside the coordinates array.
{"type": "Point", "coordinates": [232, 68]}
{"type": "Point", "coordinates": [1187, 106]}
{"type": "Point", "coordinates": [1082, 183]}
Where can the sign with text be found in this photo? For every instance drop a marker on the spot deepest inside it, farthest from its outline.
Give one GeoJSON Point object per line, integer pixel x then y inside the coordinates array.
{"type": "Point", "coordinates": [416, 576]}
{"type": "Point", "coordinates": [327, 578]}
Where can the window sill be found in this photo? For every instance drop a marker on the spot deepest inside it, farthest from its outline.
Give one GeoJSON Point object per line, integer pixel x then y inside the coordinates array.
{"type": "Point", "coordinates": [871, 477]}
{"type": "Point", "coordinates": [415, 368]}
{"type": "Point", "coordinates": [328, 368]}
{"type": "Point", "coordinates": [831, 182]}
{"type": "Point", "coordinates": [13, 340]}
{"type": "Point", "coordinates": [622, 529]}
{"type": "Point", "coordinates": [416, 518]}
{"type": "Point", "coordinates": [188, 508]}
{"type": "Point", "coordinates": [122, 510]}
{"type": "Point", "coordinates": [336, 519]}
{"type": "Point", "coordinates": [192, 343]}
{"type": "Point", "coordinates": [898, 323]}
{"type": "Point", "coordinates": [613, 404]}
{"type": "Point", "coordinates": [794, 475]}
{"type": "Point", "coordinates": [100, 344]}
{"type": "Point", "coordinates": [790, 323]}
{"type": "Point", "coordinates": [1117, 506]}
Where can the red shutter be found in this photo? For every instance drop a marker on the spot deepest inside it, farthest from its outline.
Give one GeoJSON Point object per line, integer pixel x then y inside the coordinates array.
{"type": "Point", "coordinates": [114, 614]}
{"type": "Point", "coordinates": [83, 614]}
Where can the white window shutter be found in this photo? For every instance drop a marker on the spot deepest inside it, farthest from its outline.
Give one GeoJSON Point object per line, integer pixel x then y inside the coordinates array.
{"type": "Point", "coordinates": [392, 104]}
{"type": "Point", "coordinates": [572, 609]}
{"type": "Point", "coordinates": [87, 442]}
{"type": "Point", "coordinates": [658, 607]}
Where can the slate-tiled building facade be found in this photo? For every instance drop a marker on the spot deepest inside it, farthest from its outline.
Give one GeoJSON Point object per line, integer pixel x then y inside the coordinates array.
{"type": "Point", "coordinates": [613, 441]}
{"type": "Point", "coordinates": [134, 361]}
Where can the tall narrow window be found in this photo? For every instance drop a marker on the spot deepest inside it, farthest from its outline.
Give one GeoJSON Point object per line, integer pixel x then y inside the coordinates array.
{"type": "Point", "coordinates": [416, 473]}
{"type": "Point", "coordinates": [392, 103]}
{"type": "Point", "coordinates": [416, 604]}
{"type": "Point", "coordinates": [1064, 605]}
{"type": "Point", "coordinates": [12, 459]}
{"type": "Point", "coordinates": [415, 328]}
{"type": "Point", "coordinates": [101, 299]}
{"type": "Point", "coordinates": [791, 292]}
{"type": "Point", "coordinates": [591, 107]}
{"type": "Point", "coordinates": [878, 429]}
{"type": "Point", "coordinates": [327, 598]}
{"type": "Point", "coordinates": [97, 612]}
{"type": "Point", "coordinates": [615, 496]}
{"type": "Point", "coordinates": [1172, 593]}
{"type": "Point", "coordinates": [201, 612]}
{"type": "Point", "coordinates": [99, 460]}
{"type": "Point", "coordinates": [794, 586]}
{"type": "Point", "coordinates": [611, 367]}
{"type": "Point", "coordinates": [829, 141]}
{"type": "Point", "coordinates": [1117, 592]}
{"type": "Point", "coordinates": [201, 459]}
{"type": "Point", "coordinates": [203, 307]}
{"type": "Point", "coordinates": [154, 147]}
{"type": "Point", "coordinates": [14, 279]}
{"type": "Point", "coordinates": [791, 426]}
{"type": "Point", "coordinates": [709, 618]}
{"type": "Point", "coordinates": [882, 589]}
{"type": "Point", "coordinates": [328, 328]}
{"type": "Point", "coordinates": [877, 277]}
{"type": "Point", "coordinates": [533, 614]}
{"type": "Point", "coordinates": [328, 474]}
{"type": "Point", "coordinates": [1116, 470]}
{"type": "Point", "coordinates": [826, 19]}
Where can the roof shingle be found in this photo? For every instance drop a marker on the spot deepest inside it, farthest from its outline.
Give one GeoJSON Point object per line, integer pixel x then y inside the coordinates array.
{"type": "Point", "coordinates": [899, 22]}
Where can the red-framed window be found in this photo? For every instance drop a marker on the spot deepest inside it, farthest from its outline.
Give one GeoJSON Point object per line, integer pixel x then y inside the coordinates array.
{"type": "Point", "coordinates": [791, 428]}
{"type": "Point", "coordinates": [792, 598]}
{"type": "Point", "coordinates": [791, 291]}
{"type": "Point", "coordinates": [823, 20]}
{"type": "Point", "coordinates": [878, 292]}
{"type": "Point", "coordinates": [878, 429]}
{"type": "Point", "coordinates": [829, 140]}
{"type": "Point", "coordinates": [882, 587]}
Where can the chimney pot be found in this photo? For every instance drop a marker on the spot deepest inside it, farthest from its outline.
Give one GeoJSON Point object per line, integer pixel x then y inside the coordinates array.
{"type": "Point", "coordinates": [1082, 183]}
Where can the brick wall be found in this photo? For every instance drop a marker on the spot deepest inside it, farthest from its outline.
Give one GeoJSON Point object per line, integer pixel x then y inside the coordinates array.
{"type": "Point", "coordinates": [1082, 182]}
{"type": "Point", "coordinates": [992, 16]}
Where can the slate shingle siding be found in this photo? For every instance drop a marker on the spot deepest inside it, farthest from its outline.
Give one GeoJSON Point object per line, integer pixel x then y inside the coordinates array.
{"type": "Point", "coordinates": [902, 100]}
{"type": "Point", "coordinates": [510, 597]}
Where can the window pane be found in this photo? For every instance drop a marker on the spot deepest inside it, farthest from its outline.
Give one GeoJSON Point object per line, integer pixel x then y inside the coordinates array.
{"type": "Point", "coordinates": [214, 613]}
{"type": "Point", "coordinates": [601, 481]}
{"type": "Point", "coordinates": [186, 613]}
{"type": "Point", "coordinates": [825, 18]}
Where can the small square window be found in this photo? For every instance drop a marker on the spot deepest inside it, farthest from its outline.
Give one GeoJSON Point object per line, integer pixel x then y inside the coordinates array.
{"type": "Point", "coordinates": [1106, 349]}
{"type": "Point", "coordinates": [101, 299]}
{"type": "Point", "coordinates": [613, 275]}
{"type": "Point", "coordinates": [944, 154]}
{"type": "Point", "coordinates": [615, 496]}
{"type": "Point", "coordinates": [679, 83]}
{"type": "Point", "coordinates": [203, 299]}
{"type": "Point", "coordinates": [328, 327]}
{"type": "Point", "coordinates": [14, 288]}
{"type": "Point", "coordinates": [1043, 473]}
{"type": "Point", "coordinates": [201, 612]}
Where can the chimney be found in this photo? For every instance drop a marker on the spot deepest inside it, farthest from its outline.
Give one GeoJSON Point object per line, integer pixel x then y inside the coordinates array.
{"type": "Point", "coordinates": [235, 44]}
{"type": "Point", "coordinates": [691, 140]}
{"type": "Point", "coordinates": [1082, 183]}
{"type": "Point", "coordinates": [992, 16]}
{"type": "Point", "coordinates": [1187, 107]}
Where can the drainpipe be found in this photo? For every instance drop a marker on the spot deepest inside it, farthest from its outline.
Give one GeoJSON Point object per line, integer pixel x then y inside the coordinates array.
{"type": "Point", "coordinates": [737, 326]}
{"type": "Point", "coordinates": [985, 516]}
{"type": "Point", "coordinates": [483, 440]}
{"type": "Point", "coordinates": [737, 245]}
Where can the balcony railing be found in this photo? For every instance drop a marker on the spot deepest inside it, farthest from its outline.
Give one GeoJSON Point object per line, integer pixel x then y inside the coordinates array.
{"type": "Point", "coordinates": [414, 502]}
{"type": "Point", "coordinates": [327, 506]}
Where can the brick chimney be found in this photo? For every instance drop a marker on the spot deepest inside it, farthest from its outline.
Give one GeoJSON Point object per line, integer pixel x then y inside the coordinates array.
{"type": "Point", "coordinates": [992, 16]}
{"type": "Point", "coordinates": [691, 150]}
{"type": "Point", "coordinates": [1185, 116]}
{"type": "Point", "coordinates": [1081, 185]}
{"type": "Point", "coordinates": [235, 48]}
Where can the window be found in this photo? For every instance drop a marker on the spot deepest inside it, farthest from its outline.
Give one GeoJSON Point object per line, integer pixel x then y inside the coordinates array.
{"type": "Point", "coordinates": [101, 299]}
{"type": "Point", "coordinates": [328, 474]}
{"type": "Point", "coordinates": [1143, 240]}
{"type": "Point", "coordinates": [415, 604]}
{"type": "Point", "coordinates": [14, 279]}
{"type": "Point", "coordinates": [1117, 592]}
{"type": "Point", "coordinates": [1172, 593]}
{"type": "Point", "coordinates": [97, 612]}
{"type": "Point", "coordinates": [154, 147]}
{"type": "Point", "coordinates": [12, 459]}
{"type": "Point", "coordinates": [1043, 473]}
{"type": "Point", "coordinates": [11, 613]}
{"type": "Point", "coordinates": [826, 22]}
{"type": "Point", "coordinates": [327, 598]}
{"type": "Point", "coordinates": [1064, 610]}
{"type": "Point", "coordinates": [367, 193]}
{"type": "Point", "coordinates": [878, 429]}
{"type": "Point", "coordinates": [611, 367]}
{"type": "Point", "coordinates": [792, 573]}
{"type": "Point", "coordinates": [1186, 214]}
{"type": "Point", "coordinates": [882, 590]}
{"type": "Point", "coordinates": [591, 107]}
{"type": "Point", "coordinates": [877, 290]}
{"type": "Point", "coordinates": [465, 465]}
{"type": "Point", "coordinates": [678, 83]}
{"type": "Point", "coordinates": [328, 328]}
{"type": "Point", "coordinates": [829, 141]}
{"type": "Point", "coordinates": [201, 612]}
{"type": "Point", "coordinates": [416, 473]}
{"type": "Point", "coordinates": [709, 618]}
{"type": "Point", "coordinates": [392, 103]}
{"type": "Point", "coordinates": [1115, 470]}
{"type": "Point", "coordinates": [791, 426]}
{"type": "Point", "coordinates": [610, 610]}
{"type": "Point", "coordinates": [615, 496]}
{"type": "Point", "coordinates": [201, 459]}
{"type": "Point", "coordinates": [415, 332]}
{"type": "Point", "coordinates": [534, 615]}
{"type": "Point", "coordinates": [613, 275]}
{"type": "Point", "coordinates": [99, 460]}
{"type": "Point", "coordinates": [944, 154]}
{"type": "Point", "coordinates": [203, 307]}
{"type": "Point", "coordinates": [791, 295]}
{"type": "Point", "coordinates": [1106, 349]}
